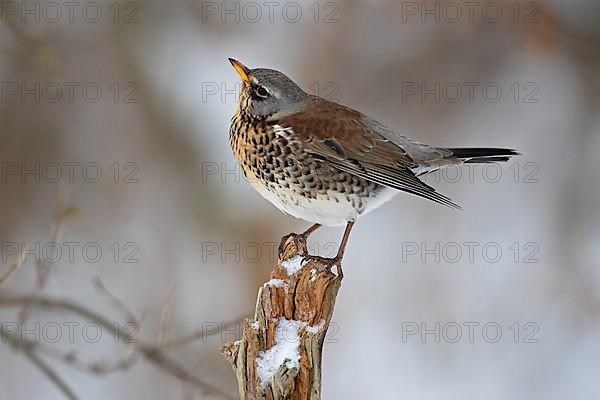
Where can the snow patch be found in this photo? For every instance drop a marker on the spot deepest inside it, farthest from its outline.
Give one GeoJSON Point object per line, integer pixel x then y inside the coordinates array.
{"type": "Point", "coordinates": [254, 325]}
{"type": "Point", "coordinates": [286, 350]}
{"type": "Point", "coordinates": [293, 264]}
{"type": "Point", "coordinates": [277, 283]}
{"type": "Point", "coordinates": [315, 328]}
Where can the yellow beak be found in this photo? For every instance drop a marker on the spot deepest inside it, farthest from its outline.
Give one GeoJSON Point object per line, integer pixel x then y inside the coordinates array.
{"type": "Point", "coordinates": [241, 69]}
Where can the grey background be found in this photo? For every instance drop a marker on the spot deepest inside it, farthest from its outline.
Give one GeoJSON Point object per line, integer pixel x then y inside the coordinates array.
{"type": "Point", "coordinates": [187, 202]}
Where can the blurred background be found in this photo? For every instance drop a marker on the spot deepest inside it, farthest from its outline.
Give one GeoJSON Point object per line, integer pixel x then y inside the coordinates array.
{"type": "Point", "coordinates": [120, 195]}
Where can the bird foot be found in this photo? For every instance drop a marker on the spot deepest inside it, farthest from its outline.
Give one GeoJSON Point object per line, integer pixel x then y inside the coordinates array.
{"type": "Point", "coordinates": [329, 262]}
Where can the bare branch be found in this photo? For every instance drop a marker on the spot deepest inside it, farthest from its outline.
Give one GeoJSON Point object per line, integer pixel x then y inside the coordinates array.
{"type": "Point", "coordinates": [14, 266]}
{"type": "Point", "coordinates": [201, 334]}
{"type": "Point", "coordinates": [62, 211]}
{"type": "Point", "coordinates": [94, 368]}
{"type": "Point", "coordinates": [165, 318]}
{"type": "Point", "coordinates": [28, 350]}
{"type": "Point", "coordinates": [150, 352]}
{"type": "Point", "coordinates": [114, 301]}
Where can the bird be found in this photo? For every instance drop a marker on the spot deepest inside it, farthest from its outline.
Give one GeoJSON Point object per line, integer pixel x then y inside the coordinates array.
{"type": "Point", "coordinates": [326, 163]}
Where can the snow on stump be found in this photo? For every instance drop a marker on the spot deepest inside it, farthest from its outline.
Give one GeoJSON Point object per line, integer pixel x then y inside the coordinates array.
{"type": "Point", "coordinates": [279, 354]}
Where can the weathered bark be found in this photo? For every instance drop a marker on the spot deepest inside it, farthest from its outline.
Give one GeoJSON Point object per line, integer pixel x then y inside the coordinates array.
{"type": "Point", "coordinates": [305, 299]}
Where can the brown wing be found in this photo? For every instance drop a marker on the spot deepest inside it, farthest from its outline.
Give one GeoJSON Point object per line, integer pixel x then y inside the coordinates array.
{"type": "Point", "coordinates": [342, 137]}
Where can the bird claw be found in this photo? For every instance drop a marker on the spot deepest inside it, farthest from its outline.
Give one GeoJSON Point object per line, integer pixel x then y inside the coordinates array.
{"type": "Point", "coordinates": [329, 262]}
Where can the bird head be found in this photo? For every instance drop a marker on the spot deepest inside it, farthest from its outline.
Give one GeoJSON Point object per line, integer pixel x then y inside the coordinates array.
{"type": "Point", "coordinates": [267, 93]}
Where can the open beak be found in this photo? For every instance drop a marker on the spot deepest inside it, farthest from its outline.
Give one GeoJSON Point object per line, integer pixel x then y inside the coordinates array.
{"type": "Point", "coordinates": [241, 69]}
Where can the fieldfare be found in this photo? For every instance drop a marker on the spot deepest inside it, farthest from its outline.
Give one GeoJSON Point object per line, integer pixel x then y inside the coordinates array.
{"type": "Point", "coordinates": [326, 163]}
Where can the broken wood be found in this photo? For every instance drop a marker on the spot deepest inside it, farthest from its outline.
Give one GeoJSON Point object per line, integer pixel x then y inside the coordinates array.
{"type": "Point", "coordinates": [279, 354]}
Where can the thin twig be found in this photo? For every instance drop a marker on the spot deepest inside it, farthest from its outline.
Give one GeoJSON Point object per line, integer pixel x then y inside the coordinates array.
{"type": "Point", "coordinates": [28, 350]}
{"type": "Point", "coordinates": [165, 363]}
{"type": "Point", "coordinates": [165, 318]}
{"type": "Point", "coordinates": [62, 211]}
{"type": "Point", "coordinates": [14, 266]}
{"type": "Point", "coordinates": [202, 334]}
{"type": "Point", "coordinates": [150, 352]}
{"type": "Point", "coordinates": [95, 368]}
{"type": "Point", "coordinates": [114, 301]}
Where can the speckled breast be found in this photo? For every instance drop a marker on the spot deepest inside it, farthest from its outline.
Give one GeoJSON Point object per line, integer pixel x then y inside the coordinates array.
{"type": "Point", "coordinates": [295, 181]}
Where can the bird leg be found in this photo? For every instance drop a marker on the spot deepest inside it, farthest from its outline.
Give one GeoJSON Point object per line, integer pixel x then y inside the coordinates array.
{"type": "Point", "coordinates": [337, 260]}
{"type": "Point", "coordinates": [310, 230]}
{"type": "Point", "coordinates": [343, 244]}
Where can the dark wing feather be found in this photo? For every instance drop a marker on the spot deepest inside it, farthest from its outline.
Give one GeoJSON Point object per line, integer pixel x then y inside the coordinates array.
{"type": "Point", "coordinates": [342, 137]}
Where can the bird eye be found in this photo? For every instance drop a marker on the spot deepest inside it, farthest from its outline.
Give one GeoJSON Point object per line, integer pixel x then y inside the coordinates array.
{"type": "Point", "coordinates": [262, 91]}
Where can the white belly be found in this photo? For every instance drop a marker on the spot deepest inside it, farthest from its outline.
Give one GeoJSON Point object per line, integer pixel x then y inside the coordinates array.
{"type": "Point", "coordinates": [332, 210]}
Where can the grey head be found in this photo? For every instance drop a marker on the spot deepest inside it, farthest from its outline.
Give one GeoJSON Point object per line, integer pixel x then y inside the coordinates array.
{"type": "Point", "coordinates": [267, 93]}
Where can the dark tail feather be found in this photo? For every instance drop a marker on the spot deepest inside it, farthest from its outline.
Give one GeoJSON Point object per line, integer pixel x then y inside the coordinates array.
{"type": "Point", "coordinates": [474, 155]}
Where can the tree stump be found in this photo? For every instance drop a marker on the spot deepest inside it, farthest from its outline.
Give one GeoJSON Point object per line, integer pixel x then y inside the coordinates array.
{"type": "Point", "coordinates": [279, 354]}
